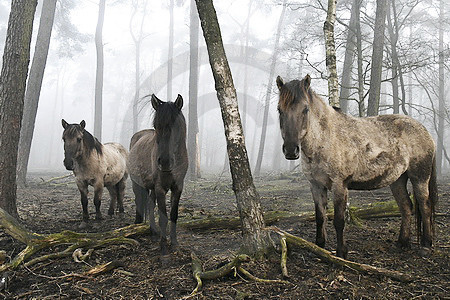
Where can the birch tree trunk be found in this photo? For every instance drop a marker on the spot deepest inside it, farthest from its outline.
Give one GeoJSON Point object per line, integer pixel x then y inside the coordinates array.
{"type": "Point", "coordinates": [13, 77]}
{"type": "Point", "coordinates": [255, 239]}
{"type": "Point", "coordinates": [194, 155]}
{"type": "Point", "coordinates": [328, 29]}
{"type": "Point", "coordinates": [33, 88]}
{"type": "Point", "coordinates": [262, 141]}
{"type": "Point", "coordinates": [377, 59]}
{"type": "Point", "coordinates": [98, 117]}
{"type": "Point", "coordinates": [361, 108]}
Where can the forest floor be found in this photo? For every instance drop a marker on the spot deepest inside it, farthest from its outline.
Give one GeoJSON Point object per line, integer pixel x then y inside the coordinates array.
{"type": "Point", "coordinates": [50, 207]}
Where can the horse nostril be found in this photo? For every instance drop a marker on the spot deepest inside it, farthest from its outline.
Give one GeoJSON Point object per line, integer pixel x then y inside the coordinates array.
{"type": "Point", "coordinates": [283, 148]}
{"type": "Point", "coordinates": [297, 150]}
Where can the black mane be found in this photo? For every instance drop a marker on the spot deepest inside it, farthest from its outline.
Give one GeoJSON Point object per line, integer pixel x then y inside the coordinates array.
{"type": "Point", "coordinates": [292, 92]}
{"type": "Point", "coordinates": [89, 140]}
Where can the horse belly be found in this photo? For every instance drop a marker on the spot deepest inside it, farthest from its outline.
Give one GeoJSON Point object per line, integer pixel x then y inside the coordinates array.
{"type": "Point", "coordinates": [382, 179]}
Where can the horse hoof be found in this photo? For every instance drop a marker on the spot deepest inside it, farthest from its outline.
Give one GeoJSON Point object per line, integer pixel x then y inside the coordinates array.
{"type": "Point", "coordinates": [403, 244]}
{"type": "Point", "coordinates": [83, 225]}
{"type": "Point", "coordinates": [111, 212]}
{"type": "Point", "coordinates": [174, 246]}
{"type": "Point", "coordinates": [425, 252]}
{"type": "Point", "coordinates": [99, 217]}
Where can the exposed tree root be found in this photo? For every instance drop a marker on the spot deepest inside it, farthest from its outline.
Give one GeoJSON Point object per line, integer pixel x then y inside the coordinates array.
{"type": "Point", "coordinates": [37, 242]}
{"type": "Point", "coordinates": [327, 256]}
{"type": "Point", "coordinates": [233, 266]}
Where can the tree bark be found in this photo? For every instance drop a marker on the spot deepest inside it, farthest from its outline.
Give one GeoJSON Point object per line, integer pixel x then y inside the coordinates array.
{"type": "Point", "coordinates": [33, 88]}
{"type": "Point", "coordinates": [441, 121]}
{"type": "Point", "coordinates": [328, 29]}
{"type": "Point", "coordinates": [393, 34]}
{"type": "Point", "coordinates": [361, 108]}
{"type": "Point", "coordinates": [16, 57]}
{"type": "Point", "coordinates": [194, 155]}
{"type": "Point", "coordinates": [99, 73]}
{"type": "Point", "coordinates": [255, 239]}
{"type": "Point", "coordinates": [262, 141]}
{"type": "Point", "coordinates": [377, 59]}
{"type": "Point", "coordinates": [348, 59]}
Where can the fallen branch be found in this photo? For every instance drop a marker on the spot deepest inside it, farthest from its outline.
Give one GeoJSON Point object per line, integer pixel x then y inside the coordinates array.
{"type": "Point", "coordinates": [37, 242]}
{"type": "Point", "coordinates": [56, 178]}
{"type": "Point", "coordinates": [327, 256]}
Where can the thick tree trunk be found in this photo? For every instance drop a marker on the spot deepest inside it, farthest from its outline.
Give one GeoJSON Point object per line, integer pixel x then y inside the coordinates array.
{"type": "Point", "coordinates": [328, 29]}
{"type": "Point", "coordinates": [13, 77]}
{"type": "Point", "coordinates": [194, 155]}
{"type": "Point", "coordinates": [34, 87]}
{"type": "Point", "coordinates": [377, 59]}
{"type": "Point", "coordinates": [441, 124]}
{"type": "Point", "coordinates": [255, 239]}
{"type": "Point", "coordinates": [262, 141]}
{"type": "Point", "coordinates": [99, 73]}
{"type": "Point", "coordinates": [348, 59]}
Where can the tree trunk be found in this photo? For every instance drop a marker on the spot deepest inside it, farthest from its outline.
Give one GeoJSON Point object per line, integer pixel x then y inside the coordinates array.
{"type": "Point", "coordinates": [262, 141]}
{"type": "Point", "coordinates": [99, 73]}
{"type": "Point", "coordinates": [348, 59]}
{"type": "Point", "coordinates": [194, 155]}
{"type": "Point", "coordinates": [13, 77]}
{"type": "Point", "coordinates": [328, 30]}
{"type": "Point", "coordinates": [33, 88]}
{"type": "Point", "coordinates": [170, 53]}
{"type": "Point", "coordinates": [441, 124]}
{"type": "Point", "coordinates": [377, 59]}
{"type": "Point", "coordinates": [361, 108]}
{"type": "Point", "coordinates": [393, 35]}
{"type": "Point", "coordinates": [255, 239]}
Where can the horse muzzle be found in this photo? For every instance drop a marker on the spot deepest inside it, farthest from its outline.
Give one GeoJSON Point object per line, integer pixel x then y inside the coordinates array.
{"type": "Point", "coordinates": [291, 152]}
{"type": "Point", "coordinates": [68, 163]}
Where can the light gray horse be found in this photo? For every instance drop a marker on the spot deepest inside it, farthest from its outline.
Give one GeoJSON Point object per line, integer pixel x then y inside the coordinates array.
{"type": "Point", "coordinates": [158, 163]}
{"type": "Point", "coordinates": [96, 165]}
{"type": "Point", "coordinates": [340, 152]}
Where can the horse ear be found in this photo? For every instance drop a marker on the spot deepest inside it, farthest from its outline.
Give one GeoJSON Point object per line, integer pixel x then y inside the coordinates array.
{"type": "Point", "coordinates": [306, 82]}
{"type": "Point", "coordinates": [155, 101]}
{"type": "Point", "coordinates": [64, 123]}
{"type": "Point", "coordinates": [280, 82]}
{"type": "Point", "coordinates": [82, 124]}
{"type": "Point", "coordinates": [179, 102]}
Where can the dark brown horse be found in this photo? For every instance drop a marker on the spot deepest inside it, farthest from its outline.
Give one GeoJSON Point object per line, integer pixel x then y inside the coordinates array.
{"type": "Point", "coordinates": [158, 163]}
{"type": "Point", "coordinates": [340, 152]}
{"type": "Point", "coordinates": [97, 165]}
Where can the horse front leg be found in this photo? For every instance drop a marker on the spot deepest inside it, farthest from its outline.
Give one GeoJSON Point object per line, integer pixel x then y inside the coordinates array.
{"type": "Point", "coordinates": [98, 191]}
{"type": "Point", "coordinates": [154, 233]}
{"type": "Point", "coordinates": [174, 201]}
{"type": "Point", "coordinates": [319, 194]}
{"type": "Point", "coordinates": [161, 199]}
{"type": "Point", "coordinates": [340, 195]}
{"type": "Point", "coordinates": [83, 188]}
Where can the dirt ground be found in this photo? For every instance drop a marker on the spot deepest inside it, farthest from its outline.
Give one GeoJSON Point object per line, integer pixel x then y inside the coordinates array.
{"type": "Point", "coordinates": [49, 207]}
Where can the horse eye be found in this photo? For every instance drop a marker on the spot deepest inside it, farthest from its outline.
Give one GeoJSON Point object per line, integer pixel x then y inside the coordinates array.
{"type": "Point", "coordinates": [305, 111]}
{"type": "Point", "coordinates": [78, 140]}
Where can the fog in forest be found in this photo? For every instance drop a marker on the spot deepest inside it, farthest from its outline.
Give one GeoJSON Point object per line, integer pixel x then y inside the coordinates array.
{"type": "Point", "coordinates": [249, 31]}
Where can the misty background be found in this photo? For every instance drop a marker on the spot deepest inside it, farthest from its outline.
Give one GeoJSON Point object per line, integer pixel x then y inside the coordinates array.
{"type": "Point", "coordinates": [249, 31]}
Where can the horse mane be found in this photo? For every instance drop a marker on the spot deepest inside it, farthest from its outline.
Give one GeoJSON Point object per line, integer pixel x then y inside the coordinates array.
{"type": "Point", "coordinates": [89, 140]}
{"type": "Point", "coordinates": [166, 116]}
{"type": "Point", "coordinates": [292, 92]}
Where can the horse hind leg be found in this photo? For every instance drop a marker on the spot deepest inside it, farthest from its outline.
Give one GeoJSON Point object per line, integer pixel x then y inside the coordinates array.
{"type": "Point", "coordinates": [141, 200]}
{"type": "Point", "coordinates": [423, 212]}
{"type": "Point", "coordinates": [120, 187]}
{"type": "Point", "coordinates": [113, 193]}
{"type": "Point", "coordinates": [405, 206]}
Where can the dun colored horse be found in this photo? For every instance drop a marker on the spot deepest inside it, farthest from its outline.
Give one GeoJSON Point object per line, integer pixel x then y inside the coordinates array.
{"type": "Point", "coordinates": [341, 152]}
{"type": "Point", "coordinates": [158, 163]}
{"type": "Point", "coordinates": [96, 165]}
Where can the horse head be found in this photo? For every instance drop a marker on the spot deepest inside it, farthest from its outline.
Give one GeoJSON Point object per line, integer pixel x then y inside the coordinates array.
{"type": "Point", "coordinates": [73, 142]}
{"type": "Point", "coordinates": [170, 129]}
{"type": "Point", "coordinates": [293, 108]}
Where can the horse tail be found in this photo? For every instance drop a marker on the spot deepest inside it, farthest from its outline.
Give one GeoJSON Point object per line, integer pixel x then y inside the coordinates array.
{"type": "Point", "coordinates": [432, 200]}
{"type": "Point", "coordinates": [433, 194]}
